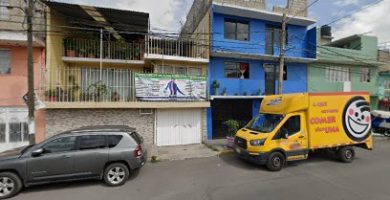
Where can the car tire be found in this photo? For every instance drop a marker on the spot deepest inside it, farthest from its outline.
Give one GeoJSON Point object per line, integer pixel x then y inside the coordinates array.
{"type": "Point", "coordinates": [116, 174]}
{"type": "Point", "coordinates": [346, 154]}
{"type": "Point", "coordinates": [276, 161]}
{"type": "Point", "coordinates": [10, 185]}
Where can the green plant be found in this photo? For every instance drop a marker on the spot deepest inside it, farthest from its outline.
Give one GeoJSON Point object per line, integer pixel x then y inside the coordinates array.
{"type": "Point", "coordinates": [245, 93]}
{"type": "Point", "coordinates": [215, 84]}
{"type": "Point", "coordinates": [98, 91]}
{"type": "Point", "coordinates": [224, 92]}
{"type": "Point", "coordinates": [232, 127]}
{"type": "Point", "coordinates": [72, 88]}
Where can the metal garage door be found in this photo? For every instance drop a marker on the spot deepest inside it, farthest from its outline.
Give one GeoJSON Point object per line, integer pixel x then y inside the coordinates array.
{"type": "Point", "coordinates": [178, 126]}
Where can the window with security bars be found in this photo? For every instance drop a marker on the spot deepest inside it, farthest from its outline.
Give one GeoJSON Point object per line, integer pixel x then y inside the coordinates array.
{"type": "Point", "coordinates": [4, 10]}
{"type": "Point", "coordinates": [365, 76]}
{"type": "Point", "coordinates": [182, 70]}
{"type": "Point", "coordinates": [338, 74]}
{"type": "Point", "coordinates": [5, 61]}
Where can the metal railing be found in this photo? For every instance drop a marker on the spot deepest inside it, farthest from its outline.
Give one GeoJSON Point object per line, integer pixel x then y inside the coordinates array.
{"type": "Point", "coordinates": [95, 85]}
{"type": "Point", "coordinates": [177, 47]}
{"type": "Point", "coordinates": [87, 48]}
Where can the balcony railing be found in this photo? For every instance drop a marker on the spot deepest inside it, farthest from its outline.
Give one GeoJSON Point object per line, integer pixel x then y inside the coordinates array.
{"type": "Point", "coordinates": [177, 47]}
{"type": "Point", "coordinates": [106, 85]}
{"type": "Point", "coordinates": [86, 48]}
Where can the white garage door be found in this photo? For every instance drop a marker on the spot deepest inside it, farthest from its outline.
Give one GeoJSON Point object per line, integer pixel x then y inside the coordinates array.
{"type": "Point", "coordinates": [178, 126]}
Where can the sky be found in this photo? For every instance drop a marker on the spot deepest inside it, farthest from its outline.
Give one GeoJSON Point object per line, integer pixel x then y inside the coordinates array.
{"type": "Point", "coordinates": [364, 16]}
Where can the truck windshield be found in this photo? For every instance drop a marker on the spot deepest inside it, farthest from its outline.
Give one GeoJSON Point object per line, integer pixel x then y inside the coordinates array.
{"type": "Point", "coordinates": [264, 123]}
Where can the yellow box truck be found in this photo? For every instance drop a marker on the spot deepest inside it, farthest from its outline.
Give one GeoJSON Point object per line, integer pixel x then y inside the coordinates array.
{"type": "Point", "coordinates": [289, 126]}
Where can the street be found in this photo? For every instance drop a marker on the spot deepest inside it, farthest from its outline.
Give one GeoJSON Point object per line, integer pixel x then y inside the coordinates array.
{"type": "Point", "coordinates": [227, 177]}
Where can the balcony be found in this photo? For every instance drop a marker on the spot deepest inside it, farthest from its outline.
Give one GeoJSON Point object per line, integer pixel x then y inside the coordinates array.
{"type": "Point", "coordinates": [116, 88]}
{"type": "Point", "coordinates": [177, 50]}
{"type": "Point", "coordinates": [88, 51]}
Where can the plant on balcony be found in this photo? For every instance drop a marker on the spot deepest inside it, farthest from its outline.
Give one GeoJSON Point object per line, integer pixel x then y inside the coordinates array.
{"type": "Point", "coordinates": [82, 53]}
{"type": "Point", "coordinates": [224, 92]}
{"type": "Point", "coordinates": [257, 93]}
{"type": "Point", "coordinates": [70, 47]}
{"type": "Point", "coordinates": [72, 89]}
{"type": "Point", "coordinates": [244, 93]}
{"type": "Point", "coordinates": [215, 86]}
{"type": "Point", "coordinates": [115, 96]}
{"type": "Point", "coordinates": [98, 91]}
{"type": "Point", "coordinates": [55, 94]}
{"type": "Point", "coordinates": [232, 127]}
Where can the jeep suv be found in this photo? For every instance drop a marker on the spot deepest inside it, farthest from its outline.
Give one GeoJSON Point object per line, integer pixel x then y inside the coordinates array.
{"type": "Point", "coordinates": [108, 153]}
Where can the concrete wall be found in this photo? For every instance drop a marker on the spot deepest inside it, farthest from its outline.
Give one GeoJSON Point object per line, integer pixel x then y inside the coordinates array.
{"type": "Point", "coordinates": [296, 80]}
{"type": "Point", "coordinates": [254, 4]}
{"type": "Point", "coordinates": [59, 120]}
{"type": "Point", "coordinates": [297, 43]}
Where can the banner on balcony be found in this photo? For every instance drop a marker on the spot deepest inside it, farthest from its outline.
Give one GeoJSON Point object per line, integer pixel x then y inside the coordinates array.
{"type": "Point", "coordinates": [164, 87]}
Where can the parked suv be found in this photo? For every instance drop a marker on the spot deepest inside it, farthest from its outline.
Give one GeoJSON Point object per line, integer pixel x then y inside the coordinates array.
{"type": "Point", "coordinates": [109, 153]}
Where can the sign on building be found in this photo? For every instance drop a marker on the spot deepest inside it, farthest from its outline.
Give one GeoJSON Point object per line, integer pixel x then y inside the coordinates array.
{"type": "Point", "coordinates": [166, 87]}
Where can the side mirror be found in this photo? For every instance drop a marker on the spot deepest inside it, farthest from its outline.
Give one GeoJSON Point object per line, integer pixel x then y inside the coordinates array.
{"type": "Point", "coordinates": [37, 152]}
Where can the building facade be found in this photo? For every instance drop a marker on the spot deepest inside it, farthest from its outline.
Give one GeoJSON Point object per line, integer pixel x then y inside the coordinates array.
{"type": "Point", "coordinates": [106, 69]}
{"type": "Point", "coordinates": [244, 61]}
{"type": "Point", "coordinates": [348, 64]}
{"type": "Point", "coordinates": [384, 77]}
{"type": "Point", "coordinates": [13, 72]}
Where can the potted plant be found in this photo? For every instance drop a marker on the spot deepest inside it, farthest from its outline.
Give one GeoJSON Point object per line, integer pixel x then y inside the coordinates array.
{"type": "Point", "coordinates": [55, 94]}
{"type": "Point", "coordinates": [245, 93]}
{"type": "Point", "coordinates": [232, 128]}
{"type": "Point", "coordinates": [82, 53]}
{"type": "Point", "coordinates": [215, 86]}
{"type": "Point", "coordinates": [73, 88]}
{"type": "Point", "coordinates": [98, 91]}
{"type": "Point", "coordinates": [257, 93]}
{"type": "Point", "coordinates": [224, 92]}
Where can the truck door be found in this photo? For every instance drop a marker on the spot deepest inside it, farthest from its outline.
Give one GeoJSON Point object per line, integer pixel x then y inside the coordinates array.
{"type": "Point", "coordinates": [292, 137]}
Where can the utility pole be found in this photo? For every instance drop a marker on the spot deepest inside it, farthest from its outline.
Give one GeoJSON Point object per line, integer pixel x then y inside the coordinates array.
{"type": "Point", "coordinates": [30, 73]}
{"type": "Point", "coordinates": [282, 52]}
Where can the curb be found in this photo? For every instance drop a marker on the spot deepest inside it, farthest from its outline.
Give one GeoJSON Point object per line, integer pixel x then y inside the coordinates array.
{"type": "Point", "coordinates": [226, 152]}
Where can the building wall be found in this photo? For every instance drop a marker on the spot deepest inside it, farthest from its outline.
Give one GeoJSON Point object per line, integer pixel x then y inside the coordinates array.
{"type": "Point", "coordinates": [254, 4]}
{"type": "Point", "coordinates": [296, 77]}
{"type": "Point", "coordinates": [60, 120]}
{"type": "Point", "coordinates": [257, 38]}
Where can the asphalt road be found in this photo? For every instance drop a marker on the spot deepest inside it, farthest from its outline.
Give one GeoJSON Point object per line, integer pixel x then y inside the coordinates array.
{"type": "Point", "coordinates": [228, 177]}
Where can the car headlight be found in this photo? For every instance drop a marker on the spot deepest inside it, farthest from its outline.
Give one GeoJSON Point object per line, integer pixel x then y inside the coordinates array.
{"type": "Point", "coordinates": [257, 142]}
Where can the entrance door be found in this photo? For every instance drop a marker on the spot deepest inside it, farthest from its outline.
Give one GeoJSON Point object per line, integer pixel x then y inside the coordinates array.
{"type": "Point", "coordinates": [178, 127]}
{"type": "Point", "coordinates": [225, 109]}
{"type": "Point", "coordinates": [270, 78]}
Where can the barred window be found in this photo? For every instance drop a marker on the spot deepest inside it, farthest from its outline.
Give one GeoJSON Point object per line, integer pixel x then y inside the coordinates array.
{"type": "Point", "coordinates": [365, 76]}
{"type": "Point", "coordinates": [338, 74]}
{"type": "Point", "coordinates": [4, 11]}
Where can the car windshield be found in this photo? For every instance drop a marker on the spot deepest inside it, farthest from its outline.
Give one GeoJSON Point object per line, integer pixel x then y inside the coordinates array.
{"type": "Point", "coordinates": [264, 123]}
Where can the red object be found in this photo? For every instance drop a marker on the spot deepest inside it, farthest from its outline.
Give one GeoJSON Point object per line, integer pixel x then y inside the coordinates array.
{"type": "Point", "coordinates": [71, 53]}
{"type": "Point", "coordinates": [53, 99]}
{"type": "Point", "coordinates": [243, 66]}
{"type": "Point", "coordinates": [138, 151]}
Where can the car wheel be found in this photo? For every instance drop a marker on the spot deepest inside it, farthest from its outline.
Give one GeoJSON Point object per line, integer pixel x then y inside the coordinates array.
{"type": "Point", "coordinates": [10, 185]}
{"type": "Point", "coordinates": [346, 154]}
{"type": "Point", "coordinates": [116, 174]}
{"type": "Point", "coordinates": [275, 161]}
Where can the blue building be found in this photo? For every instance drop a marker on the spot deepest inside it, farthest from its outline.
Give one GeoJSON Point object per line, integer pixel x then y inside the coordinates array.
{"type": "Point", "coordinates": [244, 39]}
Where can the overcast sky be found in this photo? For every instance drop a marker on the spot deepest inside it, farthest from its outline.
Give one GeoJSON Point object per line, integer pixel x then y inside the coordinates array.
{"type": "Point", "coordinates": [170, 14]}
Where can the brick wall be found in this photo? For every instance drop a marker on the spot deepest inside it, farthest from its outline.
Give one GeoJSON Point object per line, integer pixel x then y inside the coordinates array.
{"type": "Point", "coordinates": [294, 7]}
{"type": "Point", "coordinates": [255, 4]}
{"type": "Point", "coordinates": [59, 120]}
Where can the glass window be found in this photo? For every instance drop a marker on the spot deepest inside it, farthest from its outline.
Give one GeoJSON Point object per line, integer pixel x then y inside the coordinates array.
{"type": "Point", "coordinates": [5, 63]}
{"type": "Point", "coordinates": [15, 131]}
{"type": "Point", "coordinates": [60, 145]}
{"type": "Point", "coordinates": [25, 131]}
{"type": "Point", "coordinates": [114, 140]}
{"type": "Point", "coordinates": [365, 76]}
{"type": "Point", "coordinates": [236, 30]}
{"type": "Point", "coordinates": [293, 125]}
{"type": "Point", "coordinates": [237, 70]}
{"type": "Point", "coordinates": [91, 142]}
{"type": "Point", "coordinates": [264, 123]}
{"type": "Point", "coordinates": [2, 131]}
{"type": "Point", "coordinates": [181, 70]}
{"type": "Point", "coordinates": [338, 74]}
{"type": "Point", "coordinates": [4, 11]}
{"type": "Point", "coordinates": [167, 70]}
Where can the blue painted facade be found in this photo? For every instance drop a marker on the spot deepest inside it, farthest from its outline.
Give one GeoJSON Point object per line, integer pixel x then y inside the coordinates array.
{"type": "Point", "coordinates": [301, 44]}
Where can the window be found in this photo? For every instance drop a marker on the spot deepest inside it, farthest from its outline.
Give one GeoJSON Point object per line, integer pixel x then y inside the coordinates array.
{"type": "Point", "coordinates": [18, 131]}
{"type": "Point", "coordinates": [5, 64]}
{"type": "Point", "coordinates": [4, 11]}
{"type": "Point", "coordinates": [181, 70]}
{"type": "Point", "coordinates": [237, 70]}
{"type": "Point", "coordinates": [273, 37]}
{"type": "Point", "coordinates": [60, 145]}
{"type": "Point", "coordinates": [114, 140]}
{"type": "Point", "coordinates": [293, 125]}
{"type": "Point", "coordinates": [284, 72]}
{"type": "Point", "coordinates": [365, 76]}
{"type": "Point", "coordinates": [193, 71]}
{"type": "Point", "coordinates": [190, 71]}
{"type": "Point", "coordinates": [91, 142]}
{"type": "Point", "coordinates": [2, 131]}
{"type": "Point", "coordinates": [337, 74]}
{"type": "Point", "coordinates": [236, 30]}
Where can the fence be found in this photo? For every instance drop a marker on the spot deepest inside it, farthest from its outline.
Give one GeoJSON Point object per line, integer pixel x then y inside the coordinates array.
{"type": "Point", "coordinates": [177, 47]}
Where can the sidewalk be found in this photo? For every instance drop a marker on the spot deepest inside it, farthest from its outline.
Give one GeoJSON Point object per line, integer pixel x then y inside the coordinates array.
{"type": "Point", "coordinates": [181, 152]}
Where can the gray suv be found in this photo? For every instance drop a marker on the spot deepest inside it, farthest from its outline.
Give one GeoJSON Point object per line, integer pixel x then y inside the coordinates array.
{"type": "Point", "coordinates": [109, 153]}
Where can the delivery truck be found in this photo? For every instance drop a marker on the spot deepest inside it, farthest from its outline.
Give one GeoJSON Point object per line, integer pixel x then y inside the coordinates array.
{"type": "Point", "coordinates": [289, 127]}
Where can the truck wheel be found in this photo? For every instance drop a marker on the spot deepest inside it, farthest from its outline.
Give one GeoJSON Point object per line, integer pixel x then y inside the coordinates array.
{"type": "Point", "coordinates": [275, 161]}
{"type": "Point", "coordinates": [346, 154]}
{"type": "Point", "coordinates": [10, 185]}
{"type": "Point", "coordinates": [116, 174]}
